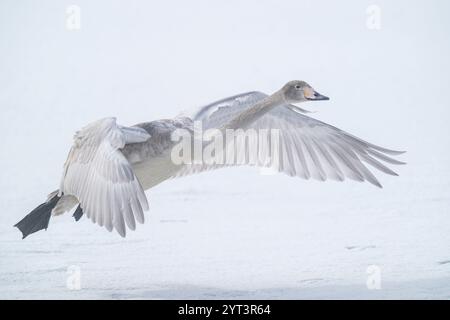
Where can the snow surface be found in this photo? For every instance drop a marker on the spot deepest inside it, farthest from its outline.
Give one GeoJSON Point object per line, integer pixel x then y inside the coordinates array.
{"type": "Point", "coordinates": [233, 233]}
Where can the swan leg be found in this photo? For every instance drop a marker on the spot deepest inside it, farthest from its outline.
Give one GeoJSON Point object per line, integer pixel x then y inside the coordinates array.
{"type": "Point", "coordinates": [78, 213]}
{"type": "Point", "coordinates": [37, 219]}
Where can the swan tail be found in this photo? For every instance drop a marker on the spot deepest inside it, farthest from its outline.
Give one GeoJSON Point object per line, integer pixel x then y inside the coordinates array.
{"type": "Point", "coordinates": [39, 218]}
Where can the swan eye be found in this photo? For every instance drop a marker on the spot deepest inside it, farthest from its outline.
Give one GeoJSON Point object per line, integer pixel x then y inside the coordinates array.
{"type": "Point", "coordinates": [297, 87]}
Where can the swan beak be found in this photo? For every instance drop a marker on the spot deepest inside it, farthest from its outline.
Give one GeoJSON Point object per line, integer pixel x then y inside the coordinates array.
{"type": "Point", "coordinates": [317, 97]}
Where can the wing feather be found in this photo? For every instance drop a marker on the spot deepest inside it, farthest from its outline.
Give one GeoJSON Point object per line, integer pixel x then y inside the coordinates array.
{"type": "Point", "coordinates": [307, 148]}
{"type": "Point", "coordinates": [101, 178]}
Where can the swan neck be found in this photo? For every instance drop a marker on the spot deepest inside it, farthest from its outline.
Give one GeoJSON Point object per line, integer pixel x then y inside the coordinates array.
{"type": "Point", "coordinates": [257, 110]}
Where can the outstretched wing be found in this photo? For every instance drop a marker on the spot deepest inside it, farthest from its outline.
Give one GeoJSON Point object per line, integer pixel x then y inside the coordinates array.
{"type": "Point", "coordinates": [307, 148]}
{"type": "Point", "coordinates": [101, 178]}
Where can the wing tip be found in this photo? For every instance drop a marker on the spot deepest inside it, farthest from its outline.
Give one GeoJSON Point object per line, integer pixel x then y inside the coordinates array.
{"type": "Point", "coordinates": [378, 185]}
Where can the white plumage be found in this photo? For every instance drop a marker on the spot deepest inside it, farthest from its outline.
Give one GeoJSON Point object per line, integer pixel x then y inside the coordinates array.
{"type": "Point", "coordinates": [110, 166]}
{"type": "Point", "coordinates": [101, 178]}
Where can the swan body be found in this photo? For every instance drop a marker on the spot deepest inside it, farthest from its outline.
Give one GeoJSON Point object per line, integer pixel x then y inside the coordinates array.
{"type": "Point", "coordinates": [110, 166]}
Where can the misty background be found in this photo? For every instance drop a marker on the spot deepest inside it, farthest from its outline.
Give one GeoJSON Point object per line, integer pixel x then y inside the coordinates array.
{"type": "Point", "coordinates": [231, 233]}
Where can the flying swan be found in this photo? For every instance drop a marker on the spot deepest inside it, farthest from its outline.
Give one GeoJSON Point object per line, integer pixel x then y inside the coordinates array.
{"type": "Point", "coordinates": [110, 166]}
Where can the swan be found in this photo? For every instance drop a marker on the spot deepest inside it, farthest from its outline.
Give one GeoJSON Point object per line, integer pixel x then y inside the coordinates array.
{"type": "Point", "coordinates": [110, 166]}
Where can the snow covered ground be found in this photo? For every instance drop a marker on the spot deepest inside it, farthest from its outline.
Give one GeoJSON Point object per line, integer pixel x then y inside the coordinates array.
{"type": "Point", "coordinates": [232, 233]}
{"type": "Point", "coordinates": [265, 237]}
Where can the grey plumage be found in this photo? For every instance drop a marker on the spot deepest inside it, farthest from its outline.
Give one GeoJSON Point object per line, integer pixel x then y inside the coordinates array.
{"type": "Point", "coordinates": [109, 166]}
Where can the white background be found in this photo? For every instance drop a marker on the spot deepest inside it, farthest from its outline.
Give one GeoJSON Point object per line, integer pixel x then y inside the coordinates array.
{"type": "Point", "coordinates": [233, 233]}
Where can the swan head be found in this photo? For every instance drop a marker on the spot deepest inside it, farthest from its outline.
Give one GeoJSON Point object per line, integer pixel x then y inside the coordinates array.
{"type": "Point", "coordinates": [299, 91]}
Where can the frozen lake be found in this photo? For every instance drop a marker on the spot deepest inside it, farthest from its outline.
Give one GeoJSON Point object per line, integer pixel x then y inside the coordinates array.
{"type": "Point", "coordinates": [209, 237]}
